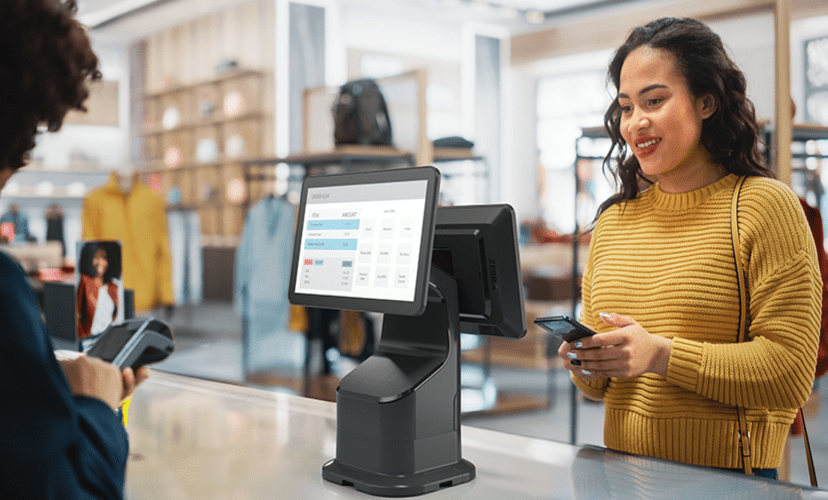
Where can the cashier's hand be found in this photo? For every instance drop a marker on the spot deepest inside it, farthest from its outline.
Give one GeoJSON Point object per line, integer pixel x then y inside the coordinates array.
{"type": "Point", "coordinates": [628, 351]}
{"type": "Point", "coordinates": [133, 379]}
{"type": "Point", "coordinates": [96, 378]}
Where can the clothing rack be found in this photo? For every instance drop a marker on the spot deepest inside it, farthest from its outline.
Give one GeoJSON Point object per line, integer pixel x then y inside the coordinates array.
{"type": "Point", "coordinates": [586, 133]}
{"type": "Point", "coordinates": [265, 170]}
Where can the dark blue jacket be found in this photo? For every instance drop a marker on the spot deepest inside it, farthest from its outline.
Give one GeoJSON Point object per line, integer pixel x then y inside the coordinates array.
{"type": "Point", "coordinates": [52, 445]}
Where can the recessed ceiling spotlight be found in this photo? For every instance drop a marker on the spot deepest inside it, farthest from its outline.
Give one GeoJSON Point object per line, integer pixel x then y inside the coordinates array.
{"type": "Point", "coordinates": [534, 16]}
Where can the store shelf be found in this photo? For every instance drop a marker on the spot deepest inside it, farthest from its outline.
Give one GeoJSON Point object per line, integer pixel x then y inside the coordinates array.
{"type": "Point", "coordinates": [157, 129]}
{"type": "Point", "coordinates": [809, 155]}
{"type": "Point", "coordinates": [196, 159]}
{"type": "Point", "coordinates": [455, 154]}
{"type": "Point", "coordinates": [55, 198]}
{"type": "Point", "coordinates": [810, 132]}
{"type": "Point", "coordinates": [221, 77]}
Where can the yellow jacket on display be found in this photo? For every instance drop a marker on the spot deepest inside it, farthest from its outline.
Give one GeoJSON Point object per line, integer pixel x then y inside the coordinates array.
{"type": "Point", "coordinates": [138, 220]}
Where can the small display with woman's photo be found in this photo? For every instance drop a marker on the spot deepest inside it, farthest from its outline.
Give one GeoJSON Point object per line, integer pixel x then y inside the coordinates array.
{"type": "Point", "coordinates": [100, 288]}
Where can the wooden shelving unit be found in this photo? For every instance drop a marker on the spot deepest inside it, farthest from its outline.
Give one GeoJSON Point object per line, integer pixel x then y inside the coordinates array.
{"type": "Point", "coordinates": [197, 139]}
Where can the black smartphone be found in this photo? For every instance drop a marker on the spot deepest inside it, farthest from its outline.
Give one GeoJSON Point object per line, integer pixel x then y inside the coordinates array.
{"type": "Point", "coordinates": [564, 327]}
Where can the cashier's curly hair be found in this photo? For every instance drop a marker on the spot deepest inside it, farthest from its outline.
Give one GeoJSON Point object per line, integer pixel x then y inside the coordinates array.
{"type": "Point", "coordinates": [731, 134]}
{"type": "Point", "coordinates": [46, 63]}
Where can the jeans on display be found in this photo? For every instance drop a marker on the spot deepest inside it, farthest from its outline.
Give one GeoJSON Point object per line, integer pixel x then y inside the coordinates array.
{"type": "Point", "coordinates": [185, 247]}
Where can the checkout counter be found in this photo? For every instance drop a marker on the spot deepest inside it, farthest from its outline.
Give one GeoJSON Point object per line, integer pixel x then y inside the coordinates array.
{"type": "Point", "coordinates": [195, 439]}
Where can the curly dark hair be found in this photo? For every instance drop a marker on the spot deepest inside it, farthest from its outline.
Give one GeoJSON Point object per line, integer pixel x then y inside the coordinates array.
{"type": "Point", "coordinates": [731, 134]}
{"type": "Point", "coordinates": [112, 249]}
{"type": "Point", "coordinates": [46, 62]}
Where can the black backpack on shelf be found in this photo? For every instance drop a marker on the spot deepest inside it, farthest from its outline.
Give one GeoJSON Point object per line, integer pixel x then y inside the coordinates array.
{"type": "Point", "coordinates": [360, 115]}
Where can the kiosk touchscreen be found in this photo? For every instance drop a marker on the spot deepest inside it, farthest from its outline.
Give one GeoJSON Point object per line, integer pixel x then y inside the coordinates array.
{"type": "Point", "coordinates": [364, 240]}
{"type": "Point", "coordinates": [376, 241]}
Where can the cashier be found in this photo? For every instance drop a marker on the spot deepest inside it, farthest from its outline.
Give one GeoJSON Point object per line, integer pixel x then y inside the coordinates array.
{"type": "Point", "coordinates": [59, 434]}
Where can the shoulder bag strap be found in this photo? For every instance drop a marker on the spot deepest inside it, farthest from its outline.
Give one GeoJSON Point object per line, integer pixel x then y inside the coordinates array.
{"type": "Point", "coordinates": [808, 456]}
{"type": "Point", "coordinates": [744, 437]}
{"type": "Point", "coordinates": [744, 434]}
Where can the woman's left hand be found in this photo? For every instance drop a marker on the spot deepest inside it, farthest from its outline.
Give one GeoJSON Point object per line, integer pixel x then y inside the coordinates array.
{"type": "Point", "coordinates": [626, 352]}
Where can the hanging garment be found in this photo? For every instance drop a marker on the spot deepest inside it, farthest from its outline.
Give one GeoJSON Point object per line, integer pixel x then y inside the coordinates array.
{"type": "Point", "coordinates": [138, 220]}
{"type": "Point", "coordinates": [298, 319]}
{"type": "Point", "coordinates": [185, 247]}
{"type": "Point", "coordinates": [322, 325]}
{"type": "Point", "coordinates": [352, 333]}
{"type": "Point", "coordinates": [262, 273]}
{"type": "Point", "coordinates": [20, 222]}
{"type": "Point", "coordinates": [54, 226]}
{"type": "Point", "coordinates": [815, 223]}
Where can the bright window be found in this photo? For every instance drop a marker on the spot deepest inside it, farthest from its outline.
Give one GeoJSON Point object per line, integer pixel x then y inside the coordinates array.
{"type": "Point", "coordinates": [566, 104]}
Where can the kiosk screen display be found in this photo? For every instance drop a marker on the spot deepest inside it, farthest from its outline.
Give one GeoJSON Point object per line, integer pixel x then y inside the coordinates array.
{"type": "Point", "coordinates": [364, 240]}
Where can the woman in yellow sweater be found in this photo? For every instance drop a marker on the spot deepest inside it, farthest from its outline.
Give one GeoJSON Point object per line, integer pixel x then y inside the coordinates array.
{"type": "Point", "coordinates": [660, 286]}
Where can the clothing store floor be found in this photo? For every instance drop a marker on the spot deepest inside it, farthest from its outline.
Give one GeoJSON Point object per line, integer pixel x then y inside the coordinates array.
{"type": "Point", "coordinates": [209, 346]}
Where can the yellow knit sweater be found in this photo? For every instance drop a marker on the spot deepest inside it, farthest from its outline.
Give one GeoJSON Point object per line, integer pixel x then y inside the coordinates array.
{"type": "Point", "coordinates": [667, 261]}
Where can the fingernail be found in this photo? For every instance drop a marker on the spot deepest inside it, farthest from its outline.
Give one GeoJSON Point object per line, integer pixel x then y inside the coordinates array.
{"type": "Point", "coordinates": [575, 362]}
{"type": "Point", "coordinates": [605, 315]}
{"type": "Point", "coordinates": [578, 344]}
{"type": "Point", "coordinates": [572, 355]}
{"type": "Point", "coordinates": [586, 372]}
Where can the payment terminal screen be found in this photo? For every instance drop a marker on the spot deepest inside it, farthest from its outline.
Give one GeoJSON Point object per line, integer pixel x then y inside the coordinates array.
{"type": "Point", "coordinates": [362, 241]}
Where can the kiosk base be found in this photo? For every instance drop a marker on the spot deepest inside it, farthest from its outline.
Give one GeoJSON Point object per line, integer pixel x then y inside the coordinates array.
{"type": "Point", "coordinates": [398, 413]}
{"type": "Point", "coordinates": [390, 485]}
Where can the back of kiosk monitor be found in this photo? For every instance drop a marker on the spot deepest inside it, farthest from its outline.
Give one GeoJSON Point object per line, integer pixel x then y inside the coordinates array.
{"type": "Point", "coordinates": [364, 242]}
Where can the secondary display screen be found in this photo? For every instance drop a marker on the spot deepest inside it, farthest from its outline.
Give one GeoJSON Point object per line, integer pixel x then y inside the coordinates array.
{"type": "Point", "coordinates": [363, 237]}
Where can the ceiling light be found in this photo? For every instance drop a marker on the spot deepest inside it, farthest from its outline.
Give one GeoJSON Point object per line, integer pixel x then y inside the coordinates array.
{"type": "Point", "coordinates": [509, 12]}
{"type": "Point", "coordinates": [534, 16]}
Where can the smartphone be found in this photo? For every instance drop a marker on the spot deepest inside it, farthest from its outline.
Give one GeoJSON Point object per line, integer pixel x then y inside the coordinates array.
{"type": "Point", "coordinates": [564, 327]}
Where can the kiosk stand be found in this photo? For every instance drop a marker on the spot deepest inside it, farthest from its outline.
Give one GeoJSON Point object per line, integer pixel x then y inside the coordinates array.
{"type": "Point", "coordinates": [398, 413]}
{"type": "Point", "coordinates": [375, 241]}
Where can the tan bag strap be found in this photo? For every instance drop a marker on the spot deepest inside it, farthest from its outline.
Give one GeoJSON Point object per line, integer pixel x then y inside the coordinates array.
{"type": "Point", "coordinates": [744, 436]}
{"type": "Point", "coordinates": [808, 456]}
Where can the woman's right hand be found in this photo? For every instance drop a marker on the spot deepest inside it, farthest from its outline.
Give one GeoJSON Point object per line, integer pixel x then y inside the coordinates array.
{"type": "Point", "coordinates": [565, 351]}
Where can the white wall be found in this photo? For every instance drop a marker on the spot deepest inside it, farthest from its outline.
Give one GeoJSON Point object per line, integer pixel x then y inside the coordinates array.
{"type": "Point", "coordinates": [394, 35]}
{"type": "Point", "coordinates": [521, 165]}
{"type": "Point", "coordinates": [750, 41]}
{"type": "Point", "coordinates": [109, 146]}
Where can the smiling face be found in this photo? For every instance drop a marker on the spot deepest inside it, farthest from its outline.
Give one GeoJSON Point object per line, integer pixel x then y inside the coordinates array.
{"type": "Point", "coordinates": [100, 262]}
{"type": "Point", "coordinates": [661, 121]}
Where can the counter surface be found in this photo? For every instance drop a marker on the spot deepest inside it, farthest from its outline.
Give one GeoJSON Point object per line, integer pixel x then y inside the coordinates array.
{"type": "Point", "coordinates": [195, 439]}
